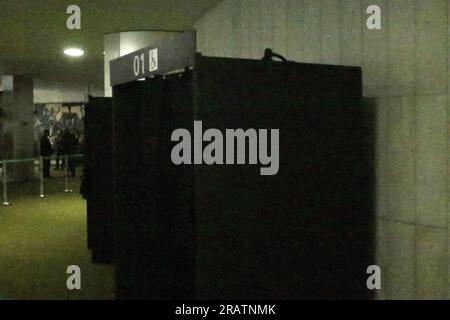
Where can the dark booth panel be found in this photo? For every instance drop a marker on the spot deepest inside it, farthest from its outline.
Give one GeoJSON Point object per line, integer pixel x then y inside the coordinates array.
{"type": "Point", "coordinates": [127, 189]}
{"type": "Point", "coordinates": [153, 202]}
{"type": "Point", "coordinates": [98, 178]}
{"type": "Point", "coordinates": [306, 232]}
{"type": "Point", "coordinates": [175, 202]}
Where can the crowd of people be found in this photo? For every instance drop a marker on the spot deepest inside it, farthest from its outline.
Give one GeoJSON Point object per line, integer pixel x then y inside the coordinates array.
{"type": "Point", "coordinates": [64, 144]}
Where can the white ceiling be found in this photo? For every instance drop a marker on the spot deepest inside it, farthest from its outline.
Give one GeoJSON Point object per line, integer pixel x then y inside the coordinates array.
{"type": "Point", "coordinates": [33, 34]}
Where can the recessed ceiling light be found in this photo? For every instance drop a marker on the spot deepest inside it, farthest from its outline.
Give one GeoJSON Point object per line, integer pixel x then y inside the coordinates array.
{"type": "Point", "coordinates": [73, 52]}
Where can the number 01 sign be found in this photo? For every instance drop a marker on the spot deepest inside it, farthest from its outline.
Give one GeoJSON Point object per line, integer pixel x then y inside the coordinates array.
{"type": "Point", "coordinates": [168, 55]}
{"type": "Point", "coordinates": [141, 62]}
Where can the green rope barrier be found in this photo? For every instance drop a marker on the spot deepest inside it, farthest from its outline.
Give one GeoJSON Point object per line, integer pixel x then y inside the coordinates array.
{"type": "Point", "coordinates": [8, 161]}
{"type": "Point", "coordinates": [20, 160]}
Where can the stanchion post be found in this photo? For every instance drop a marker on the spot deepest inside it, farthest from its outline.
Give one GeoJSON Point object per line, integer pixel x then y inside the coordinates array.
{"type": "Point", "coordinates": [5, 185]}
{"type": "Point", "coordinates": [41, 177]}
{"type": "Point", "coordinates": [66, 159]}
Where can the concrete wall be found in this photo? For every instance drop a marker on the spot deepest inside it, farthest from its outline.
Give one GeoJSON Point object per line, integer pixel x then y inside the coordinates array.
{"type": "Point", "coordinates": [64, 92]}
{"type": "Point", "coordinates": [61, 94]}
{"type": "Point", "coordinates": [405, 66]}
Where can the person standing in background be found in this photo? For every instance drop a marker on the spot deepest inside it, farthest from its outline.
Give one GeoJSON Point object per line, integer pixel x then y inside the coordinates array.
{"type": "Point", "coordinates": [57, 147]}
{"type": "Point", "coordinates": [46, 151]}
{"type": "Point", "coordinates": [69, 144]}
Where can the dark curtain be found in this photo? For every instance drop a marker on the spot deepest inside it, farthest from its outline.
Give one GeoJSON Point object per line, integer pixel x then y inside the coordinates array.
{"type": "Point", "coordinates": [97, 186]}
{"type": "Point", "coordinates": [305, 233]}
{"type": "Point", "coordinates": [153, 198]}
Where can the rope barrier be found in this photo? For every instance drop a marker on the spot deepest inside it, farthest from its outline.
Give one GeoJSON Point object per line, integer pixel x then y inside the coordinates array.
{"type": "Point", "coordinates": [41, 159]}
{"type": "Point", "coordinates": [46, 158]}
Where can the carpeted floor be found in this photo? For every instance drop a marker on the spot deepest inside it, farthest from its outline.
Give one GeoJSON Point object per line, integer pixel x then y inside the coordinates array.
{"type": "Point", "coordinates": [40, 238]}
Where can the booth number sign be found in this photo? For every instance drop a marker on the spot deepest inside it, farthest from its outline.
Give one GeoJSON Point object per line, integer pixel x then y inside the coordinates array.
{"type": "Point", "coordinates": [140, 63]}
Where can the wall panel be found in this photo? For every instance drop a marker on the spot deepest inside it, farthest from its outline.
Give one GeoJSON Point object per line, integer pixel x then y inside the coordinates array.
{"type": "Point", "coordinates": [280, 26]}
{"type": "Point", "coordinates": [401, 48]}
{"type": "Point", "coordinates": [400, 269]}
{"type": "Point", "coordinates": [382, 156]}
{"type": "Point", "coordinates": [431, 249]}
{"type": "Point", "coordinates": [401, 154]}
{"type": "Point", "coordinates": [351, 22]}
{"type": "Point", "coordinates": [432, 34]}
{"type": "Point", "coordinates": [295, 30]}
{"type": "Point", "coordinates": [312, 31]}
{"type": "Point", "coordinates": [375, 53]}
{"type": "Point", "coordinates": [330, 32]}
{"type": "Point", "coordinates": [432, 160]}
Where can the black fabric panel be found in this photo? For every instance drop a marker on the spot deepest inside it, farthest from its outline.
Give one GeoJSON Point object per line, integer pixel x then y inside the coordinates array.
{"type": "Point", "coordinates": [306, 232]}
{"type": "Point", "coordinates": [148, 271]}
{"type": "Point", "coordinates": [98, 177]}
{"type": "Point", "coordinates": [127, 186]}
{"type": "Point", "coordinates": [155, 253]}
{"type": "Point", "coordinates": [174, 214]}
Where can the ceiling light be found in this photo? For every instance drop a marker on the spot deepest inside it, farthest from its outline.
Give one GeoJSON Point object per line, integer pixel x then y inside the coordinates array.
{"type": "Point", "coordinates": [73, 52]}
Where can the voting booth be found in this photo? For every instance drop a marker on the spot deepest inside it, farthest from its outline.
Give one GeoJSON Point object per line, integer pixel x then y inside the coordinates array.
{"type": "Point", "coordinates": [301, 229]}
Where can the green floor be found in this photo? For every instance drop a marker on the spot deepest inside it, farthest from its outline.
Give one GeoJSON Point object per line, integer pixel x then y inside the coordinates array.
{"type": "Point", "coordinates": [40, 238]}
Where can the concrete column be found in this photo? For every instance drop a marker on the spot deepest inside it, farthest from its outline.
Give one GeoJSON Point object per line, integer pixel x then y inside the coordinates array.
{"type": "Point", "coordinates": [16, 133]}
